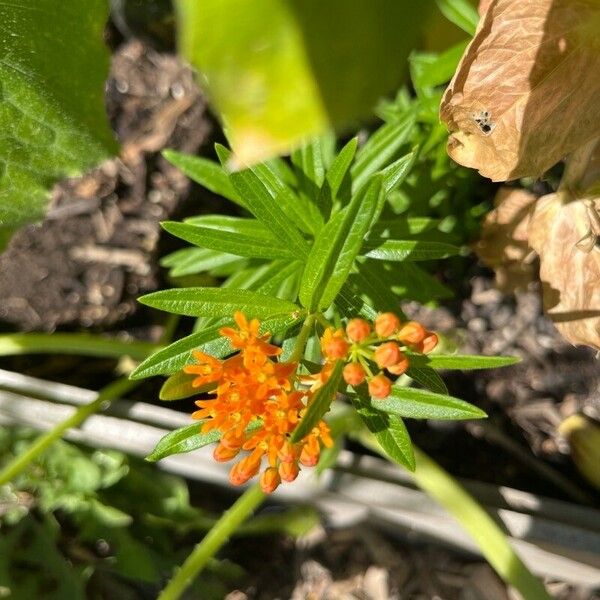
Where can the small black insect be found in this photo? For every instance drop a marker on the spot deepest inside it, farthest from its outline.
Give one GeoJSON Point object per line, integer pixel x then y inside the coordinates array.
{"type": "Point", "coordinates": [484, 121]}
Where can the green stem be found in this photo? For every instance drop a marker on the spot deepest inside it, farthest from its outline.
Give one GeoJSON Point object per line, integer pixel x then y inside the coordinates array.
{"type": "Point", "coordinates": [81, 344]}
{"type": "Point", "coordinates": [488, 535]}
{"type": "Point", "coordinates": [244, 506]}
{"type": "Point", "coordinates": [110, 392]}
{"type": "Point", "coordinates": [302, 339]}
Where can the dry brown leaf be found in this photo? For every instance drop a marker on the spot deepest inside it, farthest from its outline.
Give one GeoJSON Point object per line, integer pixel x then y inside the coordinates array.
{"type": "Point", "coordinates": [503, 245]}
{"type": "Point", "coordinates": [527, 90]}
{"type": "Point", "coordinates": [483, 6]}
{"type": "Point", "coordinates": [570, 275]}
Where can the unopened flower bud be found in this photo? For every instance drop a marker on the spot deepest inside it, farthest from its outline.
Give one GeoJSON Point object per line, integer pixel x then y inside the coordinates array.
{"type": "Point", "coordinates": [387, 354]}
{"type": "Point", "coordinates": [400, 367]}
{"type": "Point", "coordinates": [412, 333]}
{"type": "Point", "coordinates": [386, 324]}
{"type": "Point", "coordinates": [288, 471]}
{"type": "Point", "coordinates": [358, 330]}
{"type": "Point", "coordinates": [380, 387]}
{"type": "Point", "coordinates": [354, 374]}
{"type": "Point", "coordinates": [430, 341]}
{"type": "Point", "coordinates": [223, 453]}
{"type": "Point", "coordinates": [269, 480]}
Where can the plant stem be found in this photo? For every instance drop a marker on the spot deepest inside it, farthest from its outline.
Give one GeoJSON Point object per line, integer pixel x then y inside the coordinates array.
{"type": "Point", "coordinates": [300, 345]}
{"type": "Point", "coordinates": [488, 535]}
{"type": "Point", "coordinates": [110, 392]}
{"type": "Point", "coordinates": [243, 507]}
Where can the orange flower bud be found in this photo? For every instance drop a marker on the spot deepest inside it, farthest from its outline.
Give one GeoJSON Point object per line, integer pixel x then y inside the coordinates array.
{"type": "Point", "coordinates": [358, 330]}
{"type": "Point", "coordinates": [243, 471]}
{"type": "Point", "coordinates": [380, 387]}
{"type": "Point", "coordinates": [400, 367]}
{"type": "Point", "coordinates": [288, 452]}
{"type": "Point", "coordinates": [386, 324]}
{"type": "Point", "coordinates": [223, 453]}
{"type": "Point", "coordinates": [430, 341]}
{"type": "Point", "coordinates": [289, 471]}
{"type": "Point", "coordinates": [269, 480]}
{"type": "Point", "coordinates": [333, 344]}
{"type": "Point", "coordinates": [354, 374]}
{"type": "Point", "coordinates": [387, 354]}
{"type": "Point", "coordinates": [412, 333]}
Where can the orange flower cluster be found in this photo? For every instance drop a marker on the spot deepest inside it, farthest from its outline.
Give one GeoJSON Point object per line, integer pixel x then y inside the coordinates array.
{"type": "Point", "coordinates": [256, 408]}
{"type": "Point", "coordinates": [361, 344]}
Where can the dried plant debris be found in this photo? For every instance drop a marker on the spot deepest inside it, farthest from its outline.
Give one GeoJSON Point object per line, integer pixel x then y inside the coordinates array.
{"type": "Point", "coordinates": [504, 242]}
{"type": "Point", "coordinates": [527, 90]}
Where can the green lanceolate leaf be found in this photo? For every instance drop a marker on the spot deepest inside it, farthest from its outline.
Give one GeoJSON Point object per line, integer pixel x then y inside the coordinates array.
{"type": "Point", "coordinates": [462, 362]}
{"type": "Point", "coordinates": [421, 404]}
{"type": "Point", "coordinates": [184, 439]}
{"type": "Point", "coordinates": [179, 386]}
{"type": "Point", "coordinates": [409, 250]}
{"type": "Point", "coordinates": [402, 226]}
{"type": "Point", "coordinates": [351, 305]}
{"type": "Point", "coordinates": [239, 244]}
{"type": "Point", "coordinates": [53, 67]}
{"type": "Point", "coordinates": [430, 70]}
{"type": "Point", "coordinates": [218, 302]}
{"type": "Point", "coordinates": [207, 173]}
{"type": "Point", "coordinates": [395, 174]}
{"type": "Point", "coordinates": [189, 261]}
{"type": "Point", "coordinates": [264, 203]}
{"type": "Point", "coordinates": [380, 149]}
{"type": "Point", "coordinates": [389, 430]}
{"type": "Point", "coordinates": [320, 404]}
{"type": "Point", "coordinates": [336, 247]}
{"type": "Point", "coordinates": [428, 378]}
{"type": "Point", "coordinates": [292, 70]}
{"type": "Point", "coordinates": [460, 12]}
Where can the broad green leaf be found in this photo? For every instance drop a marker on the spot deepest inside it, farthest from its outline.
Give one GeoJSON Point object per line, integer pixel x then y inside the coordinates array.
{"type": "Point", "coordinates": [462, 362]}
{"type": "Point", "coordinates": [53, 124]}
{"type": "Point", "coordinates": [266, 206]}
{"type": "Point", "coordinates": [409, 250]}
{"type": "Point", "coordinates": [292, 69]}
{"type": "Point", "coordinates": [389, 430]}
{"type": "Point", "coordinates": [207, 173]}
{"type": "Point", "coordinates": [320, 403]}
{"type": "Point", "coordinates": [428, 378]}
{"type": "Point", "coordinates": [239, 244]}
{"type": "Point", "coordinates": [189, 261]}
{"type": "Point", "coordinates": [336, 247]}
{"type": "Point", "coordinates": [218, 302]}
{"type": "Point", "coordinates": [413, 403]}
{"type": "Point", "coordinates": [460, 12]}
{"type": "Point", "coordinates": [380, 149]}
{"type": "Point", "coordinates": [175, 356]}
{"type": "Point", "coordinates": [184, 439]}
{"type": "Point", "coordinates": [430, 70]}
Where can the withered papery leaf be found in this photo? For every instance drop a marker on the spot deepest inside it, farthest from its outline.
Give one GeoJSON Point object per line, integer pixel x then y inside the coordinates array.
{"type": "Point", "coordinates": [483, 6]}
{"type": "Point", "coordinates": [527, 90]}
{"type": "Point", "coordinates": [503, 245]}
{"type": "Point", "coordinates": [570, 275]}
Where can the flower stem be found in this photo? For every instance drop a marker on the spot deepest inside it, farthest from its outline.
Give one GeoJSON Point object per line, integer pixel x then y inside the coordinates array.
{"type": "Point", "coordinates": [243, 507]}
{"type": "Point", "coordinates": [110, 392]}
{"type": "Point", "coordinates": [300, 345]}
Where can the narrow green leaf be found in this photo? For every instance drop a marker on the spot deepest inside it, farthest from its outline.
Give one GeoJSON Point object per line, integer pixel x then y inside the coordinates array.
{"type": "Point", "coordinates": [376, 291]}
{"type": "Point", "coordinates": [389, 430]}
{"type": "Point", "coordinates": [413, 403]}
{"type": "Point", "coordinates": [402, 226]}
{"type": "Point", "coordinates": [428, 378]}
{"type": "Point", "coordinates": [184, 439]}
{"type": "Point", "coordinates": [351, 305]}
{"type": "Point", "coordinates": [336, 247]}
{"type": "Point", "coordinates": [218, 302]}
{"type": "Point", "coordinates": [239, 244]}
{"type": "Point", "coordinates": [207, 173]}
{"type": "Point", "coordinates": [462, 362]}
{"type": "Point", "coordinates": [460, 12]}
{"type": "Point", "coordinates": [189, 261]}
{"type": "Point", "coordinates": [179, 386]}
{"type": "Point", "coordinates": [320, 404]}
{"type": "Point", "coordinates": [312, 158]}
{"type": "Point", "coordinates": [430, 70]}
{"type": "Point", "coordinates": [380, 148]}
{"type": "Point", "coordinates": [409, 250]}
{"type": "Point", "coordinates": [268, 207]}
{"type": "Point", "coordinates": [395, 174]}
